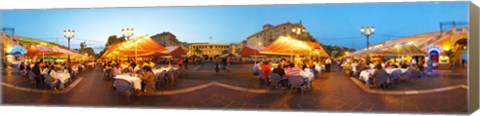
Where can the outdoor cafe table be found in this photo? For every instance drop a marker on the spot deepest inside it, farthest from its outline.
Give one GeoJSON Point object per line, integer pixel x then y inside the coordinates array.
{"type": "Point", "coordinates": [137, 82]}
{"type": "Point", "coordinates": [159, 70]}
{"type": "Point", "coordinates": [63, 77]}
{"type": "Point", "coordinates": [364, 75]}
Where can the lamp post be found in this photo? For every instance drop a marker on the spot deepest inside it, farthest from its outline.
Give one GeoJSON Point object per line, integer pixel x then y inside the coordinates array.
{"type": "Point", "coordinates": [127, 33]}
{"type": "Point", "coordinates": [367, 31]}
{"type": "Point", "coordinates": [69, 34]}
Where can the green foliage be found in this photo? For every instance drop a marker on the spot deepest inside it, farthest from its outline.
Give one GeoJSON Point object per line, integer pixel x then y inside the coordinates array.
{"type": "Point", "coordinates": [340, 50]}
{"type": "Point", "coordinates": [83, 45]}
{"type": "Point", "coordinates": [309, 38]}
{"type": "Point", "coordinates": [450, 54]}
{"type": "Point", "coordinates": [113, 39]}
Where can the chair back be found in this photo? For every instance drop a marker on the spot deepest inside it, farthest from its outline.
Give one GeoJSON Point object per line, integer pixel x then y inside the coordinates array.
{"type": "Point", "coordinates": [31, 75]}
{"type": "Point", "coordinates": [122, 85]}
{"type": "Point", "coordinates": [274, 78]}
{"type": "Point", "coordinates": [160, 76]}
{"type": "Point", "coordinates": [48, 79]}
{"type": "Point", "coordinates": [408, 73]}
{"type": "Point", "coordinates": [381, 75]}
{"type": "Point", "coordinates": [396, 74]}
{"type": "Point", "coordinates": [262, 74]}
{"type": "Point", "coordinates": [296, 81]}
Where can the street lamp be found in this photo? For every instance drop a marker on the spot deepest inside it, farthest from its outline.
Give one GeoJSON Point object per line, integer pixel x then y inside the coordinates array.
{"type": "Point", "coordinates": [367, 31]}
{"type": "Point", "coordinates": [128, 32]}
{"type": "Point", "coordinates": [69, 34]}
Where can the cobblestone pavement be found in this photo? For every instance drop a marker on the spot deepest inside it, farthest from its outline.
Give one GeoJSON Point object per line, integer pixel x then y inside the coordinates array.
{"type": "Point", "coordinates": [331, 92]}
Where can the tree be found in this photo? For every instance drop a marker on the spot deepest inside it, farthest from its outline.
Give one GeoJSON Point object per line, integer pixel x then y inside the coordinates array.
{"type": "Point", "coordinates": [340, 50]}
{"type": "Point", "coordinates": [113, 39]}
{"type": "Point", "coordinates": [83, 45]}
{"type": "Point", "coordinates": [309, 38]}
{"type": "Point", "coordinates": [450, 55]}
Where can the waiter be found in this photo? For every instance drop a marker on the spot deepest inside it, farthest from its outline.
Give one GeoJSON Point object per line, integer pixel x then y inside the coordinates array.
{"type": "Point", "coordinates": [328, 61]}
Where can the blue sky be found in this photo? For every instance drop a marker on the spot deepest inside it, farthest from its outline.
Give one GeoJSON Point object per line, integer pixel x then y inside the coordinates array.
{"type": "Point", "coordinates": [333, 24]}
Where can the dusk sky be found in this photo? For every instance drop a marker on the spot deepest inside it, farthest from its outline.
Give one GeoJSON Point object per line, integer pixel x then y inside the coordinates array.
{"type": "Point", "coordinates": [333, 24]}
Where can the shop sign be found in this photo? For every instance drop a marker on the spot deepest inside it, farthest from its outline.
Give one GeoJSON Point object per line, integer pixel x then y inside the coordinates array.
{"type": "Point", "coordinates": [18, 51]}
{"type": "Point", "coordinates": [434, 48]}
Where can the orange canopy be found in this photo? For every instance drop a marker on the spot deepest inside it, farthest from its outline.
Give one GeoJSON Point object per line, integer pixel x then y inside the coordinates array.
{"type": "Point", "coordinates": [250, 50]}
{"type": "Point", "coordinates": [144, 46]}
{"type": "Point", "coordinates": [174, 51]}
{"type": "Point", "coordinates": [289, 46]}
{"type": "Point", "coordinates": [39, 50]}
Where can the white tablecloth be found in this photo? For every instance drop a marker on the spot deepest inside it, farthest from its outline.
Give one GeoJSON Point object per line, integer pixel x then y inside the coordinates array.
{"type": "Point", "coordinates": [390, 70]}
{"type": "Point", "coordinates": [365, 74]}
{"type": "Point", "coordinates": [62, 77]}
{"type": "Point", "coordinates": [159, 70]}
{"type": "Point", "coordinates": [137, 82]}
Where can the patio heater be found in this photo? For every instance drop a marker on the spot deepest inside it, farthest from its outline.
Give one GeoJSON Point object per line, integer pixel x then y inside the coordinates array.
{"type": "Point", "coordinates": [69, 34]}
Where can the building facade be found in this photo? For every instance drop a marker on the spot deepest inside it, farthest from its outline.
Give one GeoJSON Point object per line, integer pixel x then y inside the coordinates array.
{"type": "Point", "coordinates": [270, 33]}
{"type": "Point", "coordinates": [209, 51]}
{"type": "Point", "coordinates": [436, 45]}
{"type": "Point", "coordinates": [166, 39]}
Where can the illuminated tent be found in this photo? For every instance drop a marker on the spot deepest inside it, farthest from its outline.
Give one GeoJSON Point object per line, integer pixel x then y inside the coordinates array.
{"type": "Point", "coordinates": [250, 50]}
{"type": "Point", "coordinates": [141, 46]}
{"type": "Point", "coordinates": [39, 50]}
{"type": "Point", "coordinates": [175, 51]}
{"type": "Point", "coordinates": [288, 46]}
{"type": "Point", "coordinates": [400, 49]}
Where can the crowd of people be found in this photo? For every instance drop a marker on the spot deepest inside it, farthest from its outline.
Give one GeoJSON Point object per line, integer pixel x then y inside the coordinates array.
{"type": "Point", "coordinates": [411, 68]}
{"type": "Point", "coordinates": [305, 68]}
{"type": "Point", "coordinates": [141, 69]}
{"type": "Point", "coordinates": [45, 73]}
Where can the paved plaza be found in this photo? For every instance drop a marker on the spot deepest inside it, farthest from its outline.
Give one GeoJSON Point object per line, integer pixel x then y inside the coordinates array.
{"type": "Point", "coordinates": [203, 88]}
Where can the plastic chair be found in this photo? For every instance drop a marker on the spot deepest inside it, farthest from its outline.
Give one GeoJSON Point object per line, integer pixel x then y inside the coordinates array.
{"type": "Point", "coordinates": [170, 76]}
{"type": "Point", "coordinates": [31, 77]}
{"type": "Point", "coordinates": [275, 81]}
{"type": "Point", "coordinates": [160, 78]}
{"type": "Point", "coordinates": [50, 82]}
{"type": "Point", "coordinates": [407, 75]}
{"type": "Point", "coordinates": [261, 76]}
{"type": "Point", "coordinates": [394, 77]}
{"type": "Point", "coordinates": [123, 86]}
{"type": "Point", "coordinates": [296, 82]}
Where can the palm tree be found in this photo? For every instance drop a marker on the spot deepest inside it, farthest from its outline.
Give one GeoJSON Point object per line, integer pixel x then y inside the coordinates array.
{"type": "Point", "coordinates": [451, 55]}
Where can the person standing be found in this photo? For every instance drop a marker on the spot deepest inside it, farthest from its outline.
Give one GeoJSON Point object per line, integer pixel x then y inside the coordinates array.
{"type": "Point", "coordinates": [429, 67]}
{"type": "Point", "coordinates": [133, 64]}
{"type": "Point", "coordinates": [217, 67]}
{"type": "Point", "coordinates": [224, 63]}
{"type": "Point", "coordinates": [179, 63]}
{"type": "Point", "coordinates": [186, 63]}
{"type": "Point", "coordinates": [37, 71]}
{"type": "Point", "coordinates": [328, 62]}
